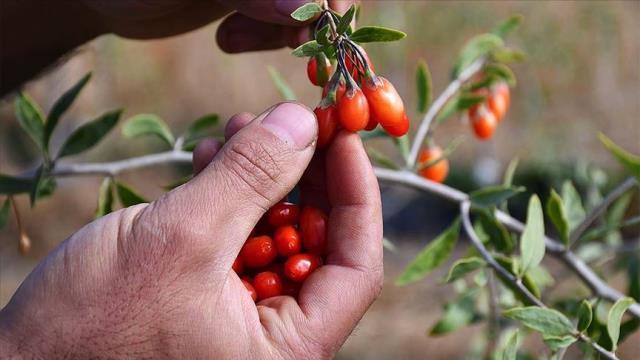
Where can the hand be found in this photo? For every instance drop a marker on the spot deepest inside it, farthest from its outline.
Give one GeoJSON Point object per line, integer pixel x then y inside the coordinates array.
{"type": "Point", "coordinates": [254, 24]}
{"type": "Point", "coordinates": [155, 280]}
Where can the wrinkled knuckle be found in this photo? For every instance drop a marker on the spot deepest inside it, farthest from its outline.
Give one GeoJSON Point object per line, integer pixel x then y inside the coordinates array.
{"type": "Point", "coordinates": [256, 166]}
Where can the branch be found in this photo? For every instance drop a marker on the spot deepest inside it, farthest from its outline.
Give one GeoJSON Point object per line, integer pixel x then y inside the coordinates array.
{"type": "Point", "coordinates": [599, 210]}
{"type": "Point", "coordinates": [437, 106]}
{"type": "Point", "coordinates": [555, 248]}
{"type": "Point", "coordinates": [117, 167]}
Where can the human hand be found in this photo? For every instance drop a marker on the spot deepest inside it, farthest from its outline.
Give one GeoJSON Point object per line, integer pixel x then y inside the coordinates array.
{"type": "Point", "coordinates": [155, 280]}
{"type": "Point", "coordinates": [254, 24]}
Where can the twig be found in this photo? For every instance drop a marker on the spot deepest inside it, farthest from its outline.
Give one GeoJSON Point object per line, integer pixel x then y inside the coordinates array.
{"type": "Point", "coordinates": [475, 241]}
{"type": "Point", "coordinates": [117, 167]}
{"type": "Point", "coordinates": [493, 322]}
{"type": "Point", "coordinates": [584, 272]}
{"type": "Point", "coordinates": [437, 106]}
{"type": "Point", "coordinates": [574, 239]}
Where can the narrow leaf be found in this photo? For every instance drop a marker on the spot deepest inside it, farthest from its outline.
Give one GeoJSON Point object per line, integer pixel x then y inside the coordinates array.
{"type": "Point", "coordinates": [457, 314]}
{"type": "Point", "coordinates": [572, 205]}
{"type": "Point", "coordinates": [493, 232]}
{"type": "Point", "coordinates": [504, 28]}
{"type": "Point", "coordinates": [310, 48]}
{"type": "Point", "coordinates": [556, 343]}
{"type": "Point", "coordinates": [201, 127]}
{"type": "Point", "coordinates": [345, 21]}
{"type": "Point", "coordinates": [464, 266]}
{"type": "Point", "coordinates": [382, 159]}
{"type": "Point", "coordinates": [555, 211]}
{"type": "Point", "coordinates": [128, 197]}
{"type": "Point", "coordinates": [507, 56]}
{"type": "Point", "coordinates": [12, 185]}
{"type": "Point", "coordinates": [43, 185]}
{"type": "Point", "coordinates": [4, 212]}
{"type": "Point", "coordinates": [148, 124]}
{"type": "Point", "coordinates": [306, 12]}
{"type": "Point", "coordinates": [281, 84]}
{"type": "Point", "coordinates": [423, 86]}
{"type": "Point", "coordinates": [585, 315]}
{"type": "Point", "coordinates": [89, 134]}
{"type": "Point", "coordinates": [510, 172]}
{"type": "Point", "coordinates": [532, 245]}
{"type": "Point", "coordinates": [31, 119]}
{"type": "Point", "coordinates": [478, 46]}
{"type": "Point", "coordinates": [501, 72]}
{"type": "Point", "coordinates": [62, 105]}
{"type": "Point", "coordinates": [511, 349]}
{"type": "Point", "coordinates": [105, 198]}
{"type": "Point", "coordinates": [367, 34]}
{"type": "Point", "coordinates": [432, 256]}
{"type": "Point", "coordinates": [549, 322]}
{"type": "Point", "coordinates": [464, 102]}
{"type": "Point", "coordinates": [615, 317]}
{"type": "Point", "coordinates": [630, 161]}
{"type": "Point", "coordinates": [493, 195]}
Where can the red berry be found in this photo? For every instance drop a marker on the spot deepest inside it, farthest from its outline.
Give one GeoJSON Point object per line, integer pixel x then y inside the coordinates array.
{"type": "Point", "coordinates": [353, 110]}
{"type": "Point", "coordinates": [327, 124]}
{"type": "Point", "coordinates": [290, 288]}
{"type": "Point", "coordinates": [299, 267]}
{"type": "Point", "coordinates": [398, 129]}
{"type": "Point", "coordinates": [436, 172]}
{"type": "Point", "coordinates": [313, 227]}
{"type": "Point", "coordinates": [483, 121]}
{"type": "Point", "coordinates": [498, 100]}
{"type": "Point", "coordinates": [339, 91]}
{"type": "Point", "coordinates": [373, 122]}
{"type": "Point", "coordinates": [318, 75]}
{"type": "Point", "coordinates": [238, 266]}
{"type": "Point", "coordinates": [258, 251]}
{"type": "Point", "coordinates": [287, 240]}
{"type": "Point", "coordinates": [267, 284]}
{"type": "Point", "coordinates": [283, 213]}
{"type": "Point", "coordinates": [384, 102]}
{"type": "Point", "coordinates": [250, 289]}
{"type": "Point", "coordinates": [276, 268]}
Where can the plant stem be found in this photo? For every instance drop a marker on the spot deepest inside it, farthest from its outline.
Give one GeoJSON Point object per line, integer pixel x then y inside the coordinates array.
{"type": "Point", "coordinates": [493, 325]}
{"type": "Point", "coordinates": [437, 106]}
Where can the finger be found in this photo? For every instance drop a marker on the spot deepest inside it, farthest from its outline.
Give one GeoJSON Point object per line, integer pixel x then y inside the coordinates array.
{"type": "Point", "coordinates": [354, 264]}
{"type": "Point", "coordinates": [271, 11]}
{"type": "Point", "coordinates": [239, 33]}
{"type": "Point", "coordinates": [256, 168]}
{"type": "Point", "coordinates": [237, 122]}
{"type": "Point", "coordinates": [204, 153]}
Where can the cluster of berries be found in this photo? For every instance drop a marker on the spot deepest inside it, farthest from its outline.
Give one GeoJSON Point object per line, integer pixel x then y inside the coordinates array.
{"type": "Point", "coordinates": [484, 117]}
{"type": "Point", "coordinates": [286, 246]}
{"type": "Point", "coordinates": [354, 98]}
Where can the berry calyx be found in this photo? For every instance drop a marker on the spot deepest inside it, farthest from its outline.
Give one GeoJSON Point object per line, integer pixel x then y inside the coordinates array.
{"type": "Point", "coordinates": [258, 251]}
{"type": "Point", "coordinates": [435, 172]}
{"type": "Point", "coordinates": [353, 110]}
{"type": "Point", "coordinates": [267, 284]}
{"type": "Point", "coordinates": [299, 267]}
{"type": "Point", "coordinates": [287, 241]}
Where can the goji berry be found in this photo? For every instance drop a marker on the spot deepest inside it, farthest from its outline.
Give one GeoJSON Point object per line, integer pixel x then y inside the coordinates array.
{"type": "Point", "coordinates": [287, 240]}
{"type": "Point", "coordinates": [438, 171]}
{"type": "Point", "coordinates": [298, 267]}
{"type": "Point", "coordinates": [327, 124]}
{"type": "Point", "coordinates": [313, 227]}
{"type": "Point", "coordinates": [258, 251]}
{"type": "Point", "coordinates": [267, 284]}
{"type": "Point", "coordinates": [353, 110]}
{"type": "Point", "coordinates": [283, 213]}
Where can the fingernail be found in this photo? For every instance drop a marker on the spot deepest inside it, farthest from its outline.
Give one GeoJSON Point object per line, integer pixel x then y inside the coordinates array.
{"type": "Point", "coordinates": [286, 7]}
{"type": "Point", "coordinates": [292, 123]}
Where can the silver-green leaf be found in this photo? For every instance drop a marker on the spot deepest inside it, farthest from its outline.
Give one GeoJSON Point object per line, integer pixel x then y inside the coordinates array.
{"type": "Point", "coordinates": [464, 266]}
{"type": "Point", "coordinates": [89, 134]}
{"type": "Point", "coordinates": [310, 48]}
{"type": "Point", "coordinates": [615, 317]}
{"type": "Point", "coordinates": [105, 198]}
{"type": "Point", "coordinates": [555, 211]}
{"type": "Point", "coordinates": [630, 161]}
{"type": "Point", "coordinates": [510, 351]}
{"type": "Point", "coordinates": [475, 48]}
{"type": "Point", "coordinates": [423, 86]}
{"type": "Point", "coordinates": [31, 119]}
{"type": "Point", "coordinates": [549, 322]}
{"type": "Point", "coordinates": [345, 21]}
{"type": "Point", "coordinates": [507, 26]}
{"type": "Point", "coordinates": [532, 245]}
{"type": "Point", "coordinates": [148, 124]}
{"type": "Point", "coordinates": [585, 315]}
{"type": "Point", "coordinates": [368, 34]}
{"type": "Point", "coordinates": [62, 105]}
{"type": "Point", "coordinates": [306, 12]}
{"type": "Point", "coordinates": [572, 203]}
{"type": "Point", "coordinates": [493, 195]}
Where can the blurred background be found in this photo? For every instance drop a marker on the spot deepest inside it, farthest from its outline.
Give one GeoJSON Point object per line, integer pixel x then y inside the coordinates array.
{"type": "Point", "coordinates": [582, 76]}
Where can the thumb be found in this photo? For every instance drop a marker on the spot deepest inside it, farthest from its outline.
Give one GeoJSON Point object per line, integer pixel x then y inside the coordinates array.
{"type": "Point", "coordinates": [257, 167]}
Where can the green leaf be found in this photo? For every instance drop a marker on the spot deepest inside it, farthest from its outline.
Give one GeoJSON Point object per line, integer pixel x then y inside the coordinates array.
{"type": "Point", "coordinates": [128, 197]}
{"type": "Point", "coordinates": [306, 12]}
{"type": "Point", "coordinates": [281, 84]}
{"type": "Point", "coordinates": [511, 349]}
{"type": "Point", "coordinates": [382, 159]}
{"type": "Point", "coordinates": [512, 266]}
{"type": "Point", "coordinates": [200, 128]}
{"type": "Point", "coordinates": [10, 185]}
{"type": "Point", "coordinates": [615, 317]}
{"type": "Point", "coordinates": [43, 185]}
{"type": "Point", "coordinates": [585, 315]}
{"type": "Point", "coordinates": [402, 143]}
{"type": "Point", "coordinates": [31, 119]}
{"type": "Point", "coordinates": [457, 314]}
{"type": "Point", "coordinates": [549, 322]}
{"type": "Point", "coordinates": [475, 48]}
{"type": "Point", "coordinates": [504, 28]}
{"type": "Point", "coordinates": [532, 245]}
{"type": "Point", "coordinates": [423, 86]}
{"type": "Point", "coordinates": [501, 72]}
{"type": "Point", "coordinates": [572, 205]}
{"type": "Point", "coordinates": [630, 161]}
{"type": "Point", "coordinates": [493, 232]}
{"type": "Point", "coordinates": [367, 34]}
{"type": "Point", "coordinates": [148, 124]}
{"type": "Point", "coordinates": [507, 180]}
{"type": "Point", "coordinates": [555, 211]}
{"type": "Point", "coordinates": [310, 48]}
{"type": "Point", "coordinates": [464, 266]}
{"type": "Point", "coordinates": [89, 134]}
{"type": "Point", "coordinates": [432, 256]}
{"type": "Point", "coordinates": [105, 198]}
{"type": "Point", "coordinates": [540, 276]}
{"type": "Point", "coordinates": [4, 212]}
{"type": "Point", "coordinates": [556, 343]}
{"type": "Point", "coordinates": [62, 105]}
{"type": "Point", "coordinates": [507, 56]}
{"type": "Point", "coordinates": [466, 101]}
{"type": "Point", "coordinates": [493, 195]}
{"type": "Point", "coordinates": [345, 21]}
